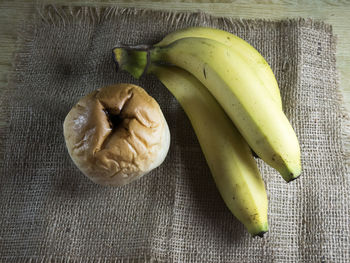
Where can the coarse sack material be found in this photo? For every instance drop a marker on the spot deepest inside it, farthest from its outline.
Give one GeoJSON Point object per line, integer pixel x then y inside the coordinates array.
{"type": "Point", "coordinates": [50, 212]}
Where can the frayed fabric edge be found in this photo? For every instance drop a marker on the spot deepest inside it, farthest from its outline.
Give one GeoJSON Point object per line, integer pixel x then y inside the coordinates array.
{"type": "Point", "coordinates": [65, 15]}
{"type": "Point", "coordinates": [345, 117]}
{"type": "Point", "coordinates": [70, 259]}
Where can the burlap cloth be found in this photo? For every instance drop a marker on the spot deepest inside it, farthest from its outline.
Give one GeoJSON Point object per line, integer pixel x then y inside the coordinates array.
{"type": "Point", "coordinates": [51, 213]}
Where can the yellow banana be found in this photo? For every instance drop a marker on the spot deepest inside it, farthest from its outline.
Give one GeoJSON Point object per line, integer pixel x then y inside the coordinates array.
{"type": "Point", "coordinates": [238, 46]}
{"type": "Point", "coordinates": [235, 85]}
{"type": "Point", "coordinates": [228, 156]}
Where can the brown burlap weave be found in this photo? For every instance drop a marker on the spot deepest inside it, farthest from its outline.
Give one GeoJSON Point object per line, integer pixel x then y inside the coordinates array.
{"type": "Point", "coordinates": [51, 213]}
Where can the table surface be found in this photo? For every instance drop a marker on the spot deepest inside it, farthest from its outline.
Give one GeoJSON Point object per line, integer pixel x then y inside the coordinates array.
{"type": "Point", "coordinates": [336, 13]}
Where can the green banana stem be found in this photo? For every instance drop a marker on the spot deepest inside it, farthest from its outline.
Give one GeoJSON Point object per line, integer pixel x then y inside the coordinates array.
{"type": "Point", "coordinates": [133, 59]}
{"type": "Point", "coordinates": [137, 59]}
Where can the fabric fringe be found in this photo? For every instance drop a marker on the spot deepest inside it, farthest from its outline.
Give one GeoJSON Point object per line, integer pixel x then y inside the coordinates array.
{"type": "Point", "coordinates": [65, 15]}
{"type": "Point", "coordinates": [69, 259]}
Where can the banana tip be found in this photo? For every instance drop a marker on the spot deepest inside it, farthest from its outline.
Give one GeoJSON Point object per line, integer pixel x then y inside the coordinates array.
{"type": "Point", "coordinates": [293, 178]}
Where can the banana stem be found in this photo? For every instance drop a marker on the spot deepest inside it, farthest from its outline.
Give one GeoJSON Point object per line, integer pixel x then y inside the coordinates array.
{"type": "Point", "coordinates": [133, 59]}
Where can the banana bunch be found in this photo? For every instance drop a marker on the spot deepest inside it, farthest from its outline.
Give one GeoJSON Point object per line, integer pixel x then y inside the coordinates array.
{"type": "Point", "coordinates": [232, 99]}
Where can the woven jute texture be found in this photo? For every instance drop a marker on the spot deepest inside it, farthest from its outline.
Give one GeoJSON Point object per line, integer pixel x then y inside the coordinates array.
{"type": "Point", "coordinates": [50, 212]}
